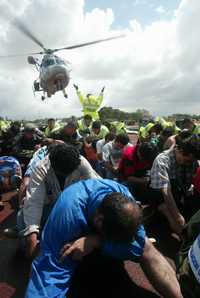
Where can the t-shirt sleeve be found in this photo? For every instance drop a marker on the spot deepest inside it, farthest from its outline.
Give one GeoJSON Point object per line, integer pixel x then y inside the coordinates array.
{"type": "Point", "coordinates": [127, 251]}
{"type": "Point", "coordinates": [34, 202]}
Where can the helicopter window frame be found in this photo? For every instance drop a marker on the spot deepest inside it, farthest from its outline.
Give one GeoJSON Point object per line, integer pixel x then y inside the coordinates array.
{"type": "Point", "coordinates": [59, 61]}
{"type": "Point", "coordinates": [49, 62]}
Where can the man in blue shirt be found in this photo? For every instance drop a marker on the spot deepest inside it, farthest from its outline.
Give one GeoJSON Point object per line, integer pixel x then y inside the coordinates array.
{"type": "Point", "coordinates": [95, 214]}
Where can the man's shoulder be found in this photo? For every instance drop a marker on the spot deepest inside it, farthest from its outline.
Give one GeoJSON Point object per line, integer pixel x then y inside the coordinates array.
{"type": "Point", "coordinates": [100, 142]}
{"type": "Point", "coordinates": [86, 169]}
{"type": "Point", "coordinates": [107, 146]}
{"type": "Point", "coordinates": [42, 167]}
{"type": "Point", "coordinates": [165, 156]}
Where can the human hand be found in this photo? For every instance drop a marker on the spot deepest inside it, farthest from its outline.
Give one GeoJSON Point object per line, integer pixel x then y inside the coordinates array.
{"type": "Point", "coordinates": [31, 245]}
{"type": "Point", "coordinates": [180, 223]}
{"type": "Point", "coordinates": [76, 87]}
{"type": "Point", "coordinates": [80, 248]}
{"type": "Point", "coordinates": [38, 146]}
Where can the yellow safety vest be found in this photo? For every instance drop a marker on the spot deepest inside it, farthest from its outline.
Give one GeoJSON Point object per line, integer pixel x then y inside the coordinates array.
{"type": "Point", "coordinates": [91, 104]}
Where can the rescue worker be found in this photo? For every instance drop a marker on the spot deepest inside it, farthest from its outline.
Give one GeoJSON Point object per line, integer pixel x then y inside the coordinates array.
{"type": "Point", "coordinates": [4, 125]}
{"type": "Point", "coordinates": [99, 131]}
{"type": "Point", "coordinates": [167, 124]}
{"type": "Point", "coordinates": [149, 131]}
{"type": "Point", "coordinates": [84, 125]}
{"type": "Point", "coordinates": [119, 126]}
{"type": "Point", "coordinates": [189, 124]}
{"type": "Point", "coordinates": [90, 103]}
{"type": "Point", "coordinates": [52, 126]}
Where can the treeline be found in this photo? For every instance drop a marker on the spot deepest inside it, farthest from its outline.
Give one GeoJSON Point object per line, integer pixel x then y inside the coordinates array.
{"type": "Point", "coordinates": [110, 114]}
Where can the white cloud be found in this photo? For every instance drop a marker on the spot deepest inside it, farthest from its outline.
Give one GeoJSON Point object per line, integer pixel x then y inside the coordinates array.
{"type": "Point", "coordinates": [160, 10]}
{"type": "Point", "coordinates": [155, 67]}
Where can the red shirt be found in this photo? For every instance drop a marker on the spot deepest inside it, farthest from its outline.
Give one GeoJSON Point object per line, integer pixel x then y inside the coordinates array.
{"type": "Point", "coordinates": [130, 163]}
{"type": "Point", "coordinates": [196, 181]}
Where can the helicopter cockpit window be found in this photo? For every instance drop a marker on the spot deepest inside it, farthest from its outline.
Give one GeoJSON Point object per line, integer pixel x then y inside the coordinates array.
{"type": "Point", "coordinates": [48, 62]}
{"type": "Point", "coordinates": [59, 61]}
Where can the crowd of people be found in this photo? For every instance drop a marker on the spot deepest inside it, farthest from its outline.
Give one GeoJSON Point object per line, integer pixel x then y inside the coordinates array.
{"type": "Point", "coordinates": [82, 186]}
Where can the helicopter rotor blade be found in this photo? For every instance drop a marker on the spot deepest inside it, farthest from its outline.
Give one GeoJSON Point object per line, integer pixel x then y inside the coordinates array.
{"type": "Point", "coordinates": [20, 55]}
{"type": "Point", "coordinates": [88, 43]}
{"type": "Point", "coordinates": [21, 27]}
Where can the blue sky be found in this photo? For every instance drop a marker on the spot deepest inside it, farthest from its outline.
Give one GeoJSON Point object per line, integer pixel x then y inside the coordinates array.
{"type": "Point", "coordinates": [144, 11]}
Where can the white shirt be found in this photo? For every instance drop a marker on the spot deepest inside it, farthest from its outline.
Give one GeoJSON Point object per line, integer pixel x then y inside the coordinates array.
{"type": "Point", "coordinates": [44, 188]}
{"type": "Point", "coordinates": [99, 146]}
{"type": "Point", "coordinates": [112, 154]}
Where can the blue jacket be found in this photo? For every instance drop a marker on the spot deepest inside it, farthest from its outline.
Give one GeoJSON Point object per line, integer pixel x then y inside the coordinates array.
{"type": "Point", "coordinates": [67, 222]}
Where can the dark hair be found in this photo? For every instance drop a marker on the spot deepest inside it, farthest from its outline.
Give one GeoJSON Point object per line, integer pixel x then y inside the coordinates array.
{"type": "Point", "coordinates": [71, 124]}
{"type": "Point", "coordinates": [148, 151]}
{"type": "Point", "coordinates": [190, 145]}
{"type": "Point", "coordinates": [167, 132]}
{"type": "Point", "coordinates": [121, 217]}
{"type": "Point", "coordinates": [50, 120]}
{"type": "Point", "coordinates": [110, 136]}
{"type": "Point", "coordinates": [96, 124]}
{"type": "Point", "coordinates": [88, 117]}
{"type": "Point", "coordinates": [157, 128]}
{"type": "Point", "coordinates": [64, 158]}
{"type": "Point", "coordinates": [122, 138]}
{"type": "Point", "coordinates": [182, 135]}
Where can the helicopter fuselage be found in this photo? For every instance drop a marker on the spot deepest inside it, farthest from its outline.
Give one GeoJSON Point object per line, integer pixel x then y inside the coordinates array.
{"type": "Point", "coordinates": [54, 74]}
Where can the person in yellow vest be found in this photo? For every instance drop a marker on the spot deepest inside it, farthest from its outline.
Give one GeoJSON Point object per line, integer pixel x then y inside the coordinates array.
{"type": "Point", "coordinates": [90, 103]}
{"type": "Point", "coordinates": [52, 126]}
{"type": "Point", "coordinates": [4, 126]}
{"type": "Point", "coordinates": [99, 131]}
{"type": "Point", "coordinates": [189, 124]}
{"type": "Point", "coordinates": [149, 131]}
{"type": "Point", "coordinates": [85, 125]}
{"type": "Point", "coordinates": [167, 124]}
{"type": "Point", "coordinates": [119, 126]}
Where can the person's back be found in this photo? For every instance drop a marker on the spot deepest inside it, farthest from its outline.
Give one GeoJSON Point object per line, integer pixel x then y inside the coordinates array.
{"type": "Point", "coordinates": [75, 207]}
{"type": "Point", "coordinates": [56, 171]}
{"type": "Point", "coordinates": [95, 214]}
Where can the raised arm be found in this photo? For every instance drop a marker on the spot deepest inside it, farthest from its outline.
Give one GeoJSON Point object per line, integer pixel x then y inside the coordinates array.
{"type": "Point", "coordinates": [79, 94]}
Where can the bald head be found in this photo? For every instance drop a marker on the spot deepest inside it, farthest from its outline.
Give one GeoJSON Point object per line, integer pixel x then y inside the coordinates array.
{"type": "Point", "coordinates": [121, 217]}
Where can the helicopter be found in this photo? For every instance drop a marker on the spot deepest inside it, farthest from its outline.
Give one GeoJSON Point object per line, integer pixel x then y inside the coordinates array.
{"type": "Point", "coordinates": [54, 72]}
